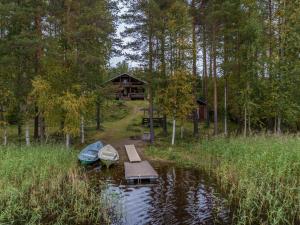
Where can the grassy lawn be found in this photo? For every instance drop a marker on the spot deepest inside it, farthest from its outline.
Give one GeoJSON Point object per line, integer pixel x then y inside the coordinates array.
{"type": "Point", "coordinates": [43, 185]}
{"type": "Point", "coordinates": [261, 174]}
{"type": "Point", "coordinates": [126, 126]}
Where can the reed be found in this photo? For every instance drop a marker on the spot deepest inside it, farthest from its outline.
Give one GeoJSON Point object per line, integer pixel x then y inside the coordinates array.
{"type": "Point", "coordinates": [260, 174]}
{"type": "Point", "coordinates": [44, 185]}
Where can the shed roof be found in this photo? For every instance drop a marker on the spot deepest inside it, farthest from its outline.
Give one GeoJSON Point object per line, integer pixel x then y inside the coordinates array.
{"type": "Point", "coordinates": [201, 101]}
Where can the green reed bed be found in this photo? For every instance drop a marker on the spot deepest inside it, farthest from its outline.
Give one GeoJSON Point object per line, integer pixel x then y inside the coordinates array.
{"type": "Point", "coordinates": [44, 185]}
{"type": "Point", "coordinates": [260, 174]}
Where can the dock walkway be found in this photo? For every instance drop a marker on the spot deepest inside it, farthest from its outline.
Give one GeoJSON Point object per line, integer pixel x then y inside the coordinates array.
{"type": "Point", "coordinates": [139, 172]}
{"type": "Point", "coordinates": [136, 169]}
{"type": "Point", "coordinates": [133, 156]}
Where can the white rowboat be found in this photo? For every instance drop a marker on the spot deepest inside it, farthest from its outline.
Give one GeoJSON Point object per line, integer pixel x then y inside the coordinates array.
{"type": "Point", "coordinates": [108, 155]}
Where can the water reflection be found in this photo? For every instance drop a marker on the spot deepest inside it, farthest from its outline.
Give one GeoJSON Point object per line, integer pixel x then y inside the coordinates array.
{"type": "Point", "coordinates": [180, 196]}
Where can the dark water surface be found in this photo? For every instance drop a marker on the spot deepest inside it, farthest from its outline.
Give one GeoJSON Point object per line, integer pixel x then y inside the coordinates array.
{"type": "Point", "coordinates": [181, 196]}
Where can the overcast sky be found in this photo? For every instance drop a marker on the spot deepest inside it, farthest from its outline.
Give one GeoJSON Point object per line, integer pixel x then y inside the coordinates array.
{"type": "Point", "coordinates": [120, 28]}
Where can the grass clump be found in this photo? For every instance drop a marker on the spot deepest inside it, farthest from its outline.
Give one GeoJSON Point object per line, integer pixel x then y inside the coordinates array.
{"type": "Point", "coordinates": [42, 185]}
{"type": "Point", "coordinates": [261, 174]}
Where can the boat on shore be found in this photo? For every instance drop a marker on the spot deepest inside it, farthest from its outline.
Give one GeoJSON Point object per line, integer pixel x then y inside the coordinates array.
{"type": "Point", "coordinates": [108, 155]}
{"type": "Point", "coordinates": [89, 154]}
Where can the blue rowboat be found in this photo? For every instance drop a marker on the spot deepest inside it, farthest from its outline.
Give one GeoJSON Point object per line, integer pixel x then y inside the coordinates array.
{"type": "Point", "coordinates": [89, 154]}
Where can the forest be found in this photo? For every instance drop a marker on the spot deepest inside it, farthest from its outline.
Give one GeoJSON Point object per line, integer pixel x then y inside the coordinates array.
{"type": "Point", "coordinates": [240, 57]}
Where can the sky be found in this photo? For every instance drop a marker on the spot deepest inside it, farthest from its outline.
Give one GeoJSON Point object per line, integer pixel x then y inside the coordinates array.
{"type": "Point", "coordinates": [120, 28]}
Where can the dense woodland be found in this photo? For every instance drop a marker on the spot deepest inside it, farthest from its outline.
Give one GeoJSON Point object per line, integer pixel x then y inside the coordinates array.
{"type": "Point", "coordinates": [242, 56]}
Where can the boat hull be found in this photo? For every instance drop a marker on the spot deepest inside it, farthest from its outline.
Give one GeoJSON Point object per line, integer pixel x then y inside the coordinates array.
{"type": "Point", "coordinates": [107, 163]}
{"type": "Point", "coordinates": [108, 155]}
{"type": "Point", "coordinates": [86, 162]}
{"type": "Point", "coordinates": [89, 155]}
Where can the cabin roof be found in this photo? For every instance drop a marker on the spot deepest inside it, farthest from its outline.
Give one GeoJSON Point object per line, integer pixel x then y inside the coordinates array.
{"type": "Point", "coordinates": [111, 79]}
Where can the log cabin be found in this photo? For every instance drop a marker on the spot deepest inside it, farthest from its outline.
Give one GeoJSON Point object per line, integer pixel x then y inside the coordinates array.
{"type": "Point", "coordinates": [128, 87]}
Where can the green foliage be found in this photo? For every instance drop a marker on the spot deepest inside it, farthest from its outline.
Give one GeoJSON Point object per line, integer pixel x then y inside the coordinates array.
{"type": "Point", "coordinates": [177, 100]}
{"type": "Point", "coordinates": [50, 51]}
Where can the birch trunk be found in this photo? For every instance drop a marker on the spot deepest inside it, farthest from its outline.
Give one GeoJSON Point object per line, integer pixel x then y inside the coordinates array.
{"type": "Point", "coordinates": [82, 131]}
{"type": "Point", "coordinates": [279, 125]}
{"type": "Point", "coordinates": [174, 131]}
{"type": "Point", "coordinates": [5, 136]}
{"type": "Point", "coordinates": [181, 132]}
{"type": "Point", "coordinates": [27, 135]}
{"type": "Point", "coordinates": [67, 141]}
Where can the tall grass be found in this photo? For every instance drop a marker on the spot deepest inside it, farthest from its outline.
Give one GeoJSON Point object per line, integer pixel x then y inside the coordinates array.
{"type": "Point", "coordinates": [261, 174]}
{"type": "Point", "coordinates": [43, 185]}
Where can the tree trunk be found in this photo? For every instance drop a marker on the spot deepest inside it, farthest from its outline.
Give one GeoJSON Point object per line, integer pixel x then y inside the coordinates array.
{"type": "Point", "coordinates": [225, 109]}
{"type": "Point", "coordinates": [174, 131]}
{"type": "Point", "coordinates": [41, 129]}
{"type": "Point", "coordinates": [245, 122]}
{"type": "Point", "coordinates": [279, 125]}
{"type": "Point", "coordinates": [205, 84]}
{"type": "Point", "coordinates": [225, 86]}
{"type": "Point", "coordinates": [151, 81]}
{"type": "Point", "coordinates": [68, 141]}
{"type": "Point", "coordinates": [165, 125]}
{"type": "Point", "coordinates": [215, 84]}
{"type": "Point", "coordinates": [275, 125]}
{"type": "Point", "coordinates": [181, 132]}
{"type": "Point", "coordinates": [98, 116]}
{"type": "Point", "coordinates": [27, 135]}
{"type": "Point", "coordinates": [5, 136]}
{"type": "Point", "coordinates": [36, 124]}
{"type": "Point", "coordinates": [82, 131]}
{"type": "Point", "coordinates": [38, 55]}
{"type": "Point", "coordinates": [163, 73]}
{"type": "Point", "coordinates": [19, 132]}
{"type": "Point", "coordinates": [194, 46]}
{"type": "Point", "coordinates": [249, 124]}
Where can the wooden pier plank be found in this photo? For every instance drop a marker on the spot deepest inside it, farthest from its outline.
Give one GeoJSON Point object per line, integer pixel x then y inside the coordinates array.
{"type": "Point", "coordinates": [133, 156]}
{"type": "Point", "coordinates": [139, 171]}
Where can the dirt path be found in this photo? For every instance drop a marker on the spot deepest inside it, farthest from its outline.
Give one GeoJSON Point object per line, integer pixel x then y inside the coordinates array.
{"type": "Point", "coordinates": [117, 134]}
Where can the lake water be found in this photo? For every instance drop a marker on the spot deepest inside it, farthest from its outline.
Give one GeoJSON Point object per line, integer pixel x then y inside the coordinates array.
{"type": "Point", "coordinates": [180, 196]}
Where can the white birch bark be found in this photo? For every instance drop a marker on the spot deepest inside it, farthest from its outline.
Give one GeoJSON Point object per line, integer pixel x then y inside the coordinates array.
{"type": "Point", "coordinates": [279, 125]}
{"type": "Point", "coordinates": [27, 135]}
{"type": "Point", "coordinates": [174, 131]}
{"type": "Point", "coordinates": [5, 137]}
{"type": "Point", "coordinates": [68, 141]}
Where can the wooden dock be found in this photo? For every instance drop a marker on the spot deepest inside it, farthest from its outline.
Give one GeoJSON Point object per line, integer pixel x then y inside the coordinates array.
{"type": "Point", "coordinates": [133, 156]}
{"type": "Point", "coordinates": [138, 172]}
